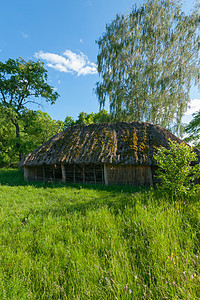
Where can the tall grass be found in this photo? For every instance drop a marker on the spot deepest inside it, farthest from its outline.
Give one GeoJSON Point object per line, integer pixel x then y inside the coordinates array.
{"type": "Point", "coordinates": [95, 242]}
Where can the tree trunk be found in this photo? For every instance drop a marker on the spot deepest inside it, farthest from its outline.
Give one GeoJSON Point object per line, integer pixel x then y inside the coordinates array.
{"type": "Point", "coordinates": [18, 142]}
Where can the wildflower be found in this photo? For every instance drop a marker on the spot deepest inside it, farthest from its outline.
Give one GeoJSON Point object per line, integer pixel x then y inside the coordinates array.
{"type": "Point", "coordinates": [184, 272]}
{"type": "Point", "coordinates": [135, 277]}
{"type": "Point", "coordinates": [130, 291]}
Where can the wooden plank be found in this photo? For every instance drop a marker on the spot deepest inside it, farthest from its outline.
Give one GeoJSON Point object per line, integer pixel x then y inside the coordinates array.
{"type": "Point", "coordinates": [83, 170]}
{"type": "Point", "coordinates": [95, 179]}
{"type": "Point", "coordinates": [43, 173]}
{"type": "Point", "coordinates": [63, 173]}
{"type": "Point", "coordinates": [26, 173]}
{"type": "Point", "coordinates": [150, 179]}
{"type": "Point", "coordinates": [54, 177]}
{"type": "Point", "coordinates": [74, 174]}
{"type": "Point", "coordinates": [36, 173]}
{"type": "Point", "coordinates": [105, 174]}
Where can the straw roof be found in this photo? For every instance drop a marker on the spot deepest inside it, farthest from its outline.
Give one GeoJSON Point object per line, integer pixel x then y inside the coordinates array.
{"type": "Point", "coordinates": [114, 143]}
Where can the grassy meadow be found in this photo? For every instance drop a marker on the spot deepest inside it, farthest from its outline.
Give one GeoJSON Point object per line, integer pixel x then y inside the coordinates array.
{"type": "Point", "coordinates": [95, 242]}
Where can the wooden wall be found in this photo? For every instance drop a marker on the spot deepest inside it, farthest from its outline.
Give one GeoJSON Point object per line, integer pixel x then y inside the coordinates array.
{"type": "Point", "coordinates": [129, 174]}
{"type": "Point", "coordinates": [43, 173]}
{"type": "Point", "coordinates": [83, 173]}
{"type": "Point", "coordinates": [88, 173]}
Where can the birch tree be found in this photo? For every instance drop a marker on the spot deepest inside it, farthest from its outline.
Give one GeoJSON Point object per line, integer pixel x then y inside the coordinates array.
{"type": "Point", "coordinates": [148, 61]}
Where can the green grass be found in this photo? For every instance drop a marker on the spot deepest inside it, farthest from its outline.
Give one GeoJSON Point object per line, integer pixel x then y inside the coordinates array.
{"type": "Point", "coordinates": [95, 242]}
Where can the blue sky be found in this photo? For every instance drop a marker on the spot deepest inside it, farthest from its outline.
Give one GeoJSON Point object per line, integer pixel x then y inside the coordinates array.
{"type": "Point", "coordinates": [62, 34]}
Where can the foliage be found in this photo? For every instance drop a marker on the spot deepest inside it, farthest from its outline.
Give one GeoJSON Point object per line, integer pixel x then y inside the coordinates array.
{"type": "Point", "coordinates": [7, 136]}
{"type": "Point", "coordinates": [69, 121]}
{"type": "Point", "coordinates": [95, 242]}
{"type": "Point", "coordinates": [88, 118]}
{"type": "Point", "coordinates": [193, 130]}
{"type": "Point", "coordinates": [21, 83]}
{"type": "Point", "coordinates": [148, 60]}
{"type": "Point", "coordinates": [176, 172]}
{"type": "Point", "coordinates": [35, 126]}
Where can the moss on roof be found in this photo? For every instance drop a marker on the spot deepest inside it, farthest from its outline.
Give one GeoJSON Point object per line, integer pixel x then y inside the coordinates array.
{"type": "Point", "coordinates": [122, 142]}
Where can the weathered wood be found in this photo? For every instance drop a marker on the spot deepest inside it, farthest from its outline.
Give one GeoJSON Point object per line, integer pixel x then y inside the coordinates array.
{"type": "Point", "coordinates": [83, 170]}
{"type": "Point", "coordinates": [102, 174]}
{"type": "Point", "coordinates": [54, 177]}
{"type": "Point", "coordinates": [43, 171]}
{"type": "Point", "coordinates": [95, 179]}
{"type": "Point", "coordinates": [128, 174]}
{"type": "Point", "coordinates": [74, 174]}
{"type": "Point", "coordinates": [25, 173]}
{"type": "Point", "coordinates": [105, 174]}
{"type": "Point", "coordinates": [63, 173]}
{"type": "Point", "coordinates": [150, 178]}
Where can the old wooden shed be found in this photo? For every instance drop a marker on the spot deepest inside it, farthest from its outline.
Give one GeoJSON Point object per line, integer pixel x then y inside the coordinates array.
{"type": "Point", "coordinates": [108, 153]}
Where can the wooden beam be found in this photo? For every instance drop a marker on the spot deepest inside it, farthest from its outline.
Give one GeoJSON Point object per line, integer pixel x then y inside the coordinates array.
{"type": "Point", "coordinates": [26, 173]}
{"type": "Point", "coordinates": [74, 174]}
{"type": "Point", "coordinates": [43, 173]}
{"type": "Point", "coordinates": [54, 177]}
{"type": "Point", "coordinates": [63, 173]}
{"type": "Point", "coordinates": [105, 174]}
{"type": "Point", "coordinates": [83, 170]}
{"type": "Point", "coordinates": [95, 179]}
{"type": "Point", "coordinates": [150, 176]}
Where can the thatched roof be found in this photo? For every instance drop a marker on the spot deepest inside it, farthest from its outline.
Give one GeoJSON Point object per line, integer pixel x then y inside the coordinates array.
{"type": "Point", "coordinates": [122, 142]}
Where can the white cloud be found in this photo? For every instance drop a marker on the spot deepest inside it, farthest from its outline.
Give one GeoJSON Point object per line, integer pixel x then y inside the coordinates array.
{"type": "Point", "coordinates": [194, 107]}
{"type": "Point", "coordinates": [69, 62]}
{"type": "Point", "coordinates": [25, 35]}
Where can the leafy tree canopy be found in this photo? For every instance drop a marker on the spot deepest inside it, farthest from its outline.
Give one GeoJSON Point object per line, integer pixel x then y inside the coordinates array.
{"type": "Point", "coordinates": [88, 118]}
{"type": "Point", "coordinates": [148, 61]}
{"type": "Point", "coordinates": [36, 127]}
{"type": "Point", "coordinates": [21, 83]}
{"type": "Point", "coordinates": [193, 130]}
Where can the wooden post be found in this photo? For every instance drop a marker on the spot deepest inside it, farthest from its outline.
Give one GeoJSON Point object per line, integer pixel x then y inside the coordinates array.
{"type": "Point", "coordinates": [95, 179]}
{"type": "Point", "coordinates": [36, 173]}
{"type": "Point", "coordinates": [83, 169]}
{"type": "Point", "coordinates": [43, 173]}
{"type": "Point", "coordinates": [54, 177]}
{"type": "Point", "coordinates": [63, 173]}
{"type": "Point", "coordinates": [150, 176]}
{"type": "Point", "coordinates": [74, 174]}
{"type": "Point", "coordinates": [105, 174]}
{"type": "Point", "coordinates": [26, 173]}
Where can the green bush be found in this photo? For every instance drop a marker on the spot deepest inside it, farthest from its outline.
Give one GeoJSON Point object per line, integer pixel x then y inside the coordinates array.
{"type": "Point", "coordinates": [175, 172]}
